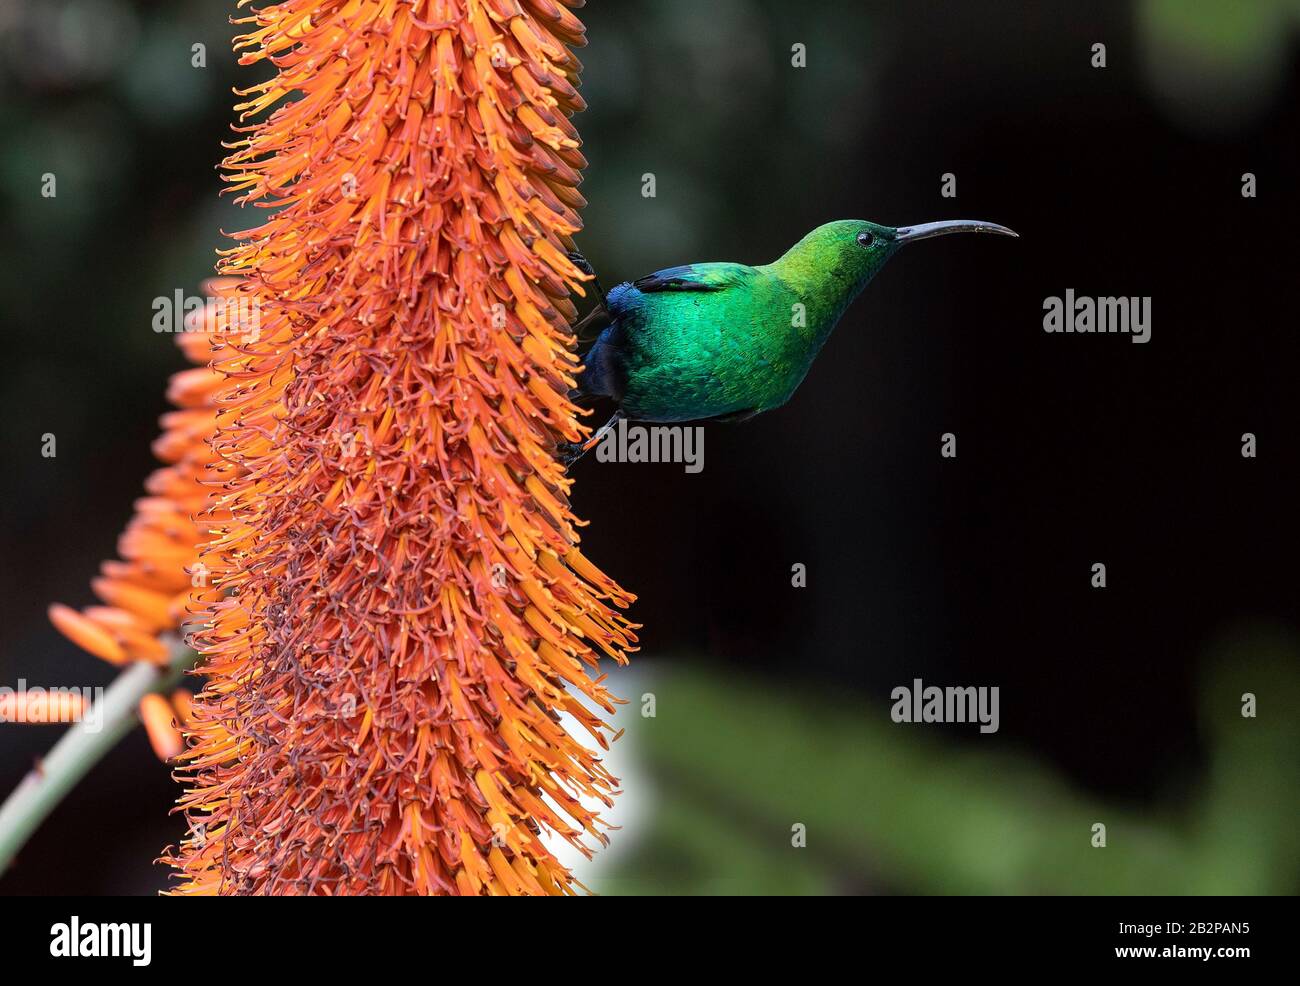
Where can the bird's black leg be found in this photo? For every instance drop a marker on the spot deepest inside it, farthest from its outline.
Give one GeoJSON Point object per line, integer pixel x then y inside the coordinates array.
{"type": "Point", "coordinates": [584, 265]}
{"type": "Point", "coordinates": [570, 452]}
{"type": "Point", "coordinates": [598, 318]}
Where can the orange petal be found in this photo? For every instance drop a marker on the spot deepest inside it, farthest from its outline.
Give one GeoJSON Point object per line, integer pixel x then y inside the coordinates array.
{"type": "Point", "coordinates": [150, 608]}
{"type": "Point", "coordinates": [183, 703]}
{"type": "Point", "coordinates": [158, 717]}
{"type": "Point", "coordinates": [85, 634]}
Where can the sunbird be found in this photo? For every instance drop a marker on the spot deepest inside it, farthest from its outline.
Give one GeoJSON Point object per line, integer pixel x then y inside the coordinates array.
{"type": "Point", "coordinates": [724, 341]}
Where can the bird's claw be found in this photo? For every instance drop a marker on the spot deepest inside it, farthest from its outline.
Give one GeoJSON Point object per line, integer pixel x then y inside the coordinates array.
{"type": "Point", "coordinates": [582, 263]}
{"type": "Point", "coordinates": [567, 453]}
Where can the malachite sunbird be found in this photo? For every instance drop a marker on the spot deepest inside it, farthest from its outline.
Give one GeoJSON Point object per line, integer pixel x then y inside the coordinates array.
{"type": "Point", "coordinates": [726, 341]}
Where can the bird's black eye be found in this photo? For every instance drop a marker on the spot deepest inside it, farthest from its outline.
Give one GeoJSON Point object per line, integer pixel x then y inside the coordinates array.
{"type": "Point", "coordinates": [865, 238]}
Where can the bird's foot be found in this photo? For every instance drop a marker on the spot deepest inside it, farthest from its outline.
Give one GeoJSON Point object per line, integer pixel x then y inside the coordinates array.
{"type": "Point", "coordinates": [567, 453]}
{"type": "Point", "coordinates": [584, 265]}
{"type": "Point", "coordinates": [581, 262]}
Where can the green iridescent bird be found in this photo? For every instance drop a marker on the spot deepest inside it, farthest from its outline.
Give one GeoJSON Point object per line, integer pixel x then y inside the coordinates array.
{"type": "Point", "coordinates": [725, 341]}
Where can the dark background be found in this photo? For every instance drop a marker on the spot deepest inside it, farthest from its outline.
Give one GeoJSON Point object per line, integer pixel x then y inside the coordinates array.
{"type": "Point", "coordinates": [1071, 449]}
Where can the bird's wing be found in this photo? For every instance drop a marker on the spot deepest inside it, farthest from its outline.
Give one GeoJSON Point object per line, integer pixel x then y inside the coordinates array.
{"type": "Point", "coordinates": [695, 277]}
{"type": "Point", "coordinates": [688, 277]}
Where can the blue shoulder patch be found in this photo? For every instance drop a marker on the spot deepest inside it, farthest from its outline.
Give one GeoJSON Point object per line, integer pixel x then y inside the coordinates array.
{"type": "Point", "coordinates": [688, 277]}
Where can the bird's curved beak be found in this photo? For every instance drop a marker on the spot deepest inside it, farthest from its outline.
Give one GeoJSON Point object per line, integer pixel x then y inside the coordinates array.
{"type": "Point", "coordinates": [923, 231]}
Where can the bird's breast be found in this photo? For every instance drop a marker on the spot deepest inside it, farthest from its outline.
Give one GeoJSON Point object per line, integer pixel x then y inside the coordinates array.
{"type": "Point", "coordinates": [690, 360]}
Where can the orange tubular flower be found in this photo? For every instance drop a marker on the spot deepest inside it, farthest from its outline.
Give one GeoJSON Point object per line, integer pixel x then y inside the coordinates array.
{"type": "Point", "coordinates": [147, 592]}
{"type": "Point", "coordinates": [398, 611]}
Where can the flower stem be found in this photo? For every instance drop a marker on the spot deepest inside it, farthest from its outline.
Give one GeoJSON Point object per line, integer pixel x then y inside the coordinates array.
{"type": "Point", "coordinates": [81, 747]}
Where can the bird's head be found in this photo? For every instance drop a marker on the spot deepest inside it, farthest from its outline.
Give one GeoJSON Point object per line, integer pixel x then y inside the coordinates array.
{"type": "Point", "coordinates": [846, 254]}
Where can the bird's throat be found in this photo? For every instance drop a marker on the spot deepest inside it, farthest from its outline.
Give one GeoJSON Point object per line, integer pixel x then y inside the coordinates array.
{"type": "Point", "coordinates": [824, 292]}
